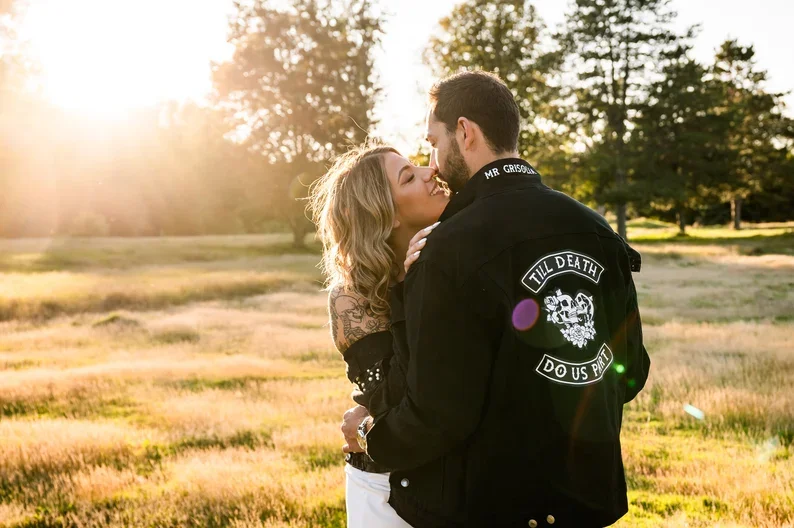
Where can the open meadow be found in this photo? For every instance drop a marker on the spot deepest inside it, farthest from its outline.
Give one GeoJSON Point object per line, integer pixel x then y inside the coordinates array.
{"type": "Point", "coordinates": [191, 382]}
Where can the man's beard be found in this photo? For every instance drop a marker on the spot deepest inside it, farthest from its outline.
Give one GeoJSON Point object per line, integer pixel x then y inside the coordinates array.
{"type": "Point", "coordinates": [456, 172]}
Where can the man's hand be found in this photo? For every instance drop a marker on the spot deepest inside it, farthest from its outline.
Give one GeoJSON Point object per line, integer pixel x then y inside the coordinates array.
{"type": "Point", "coordinates": [352, 419]}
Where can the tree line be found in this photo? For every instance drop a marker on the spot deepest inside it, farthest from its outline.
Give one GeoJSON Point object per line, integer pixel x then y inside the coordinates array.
{"type": "Point", "coordinates": [615, 112]}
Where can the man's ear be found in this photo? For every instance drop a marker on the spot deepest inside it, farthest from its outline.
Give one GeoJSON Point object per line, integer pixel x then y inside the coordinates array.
{"type": "Point", "coordinates": [467, 128]}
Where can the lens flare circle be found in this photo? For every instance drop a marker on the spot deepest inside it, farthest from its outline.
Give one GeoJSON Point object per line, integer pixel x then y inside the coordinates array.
{"type": "Point", "coordinates": [525, 314]}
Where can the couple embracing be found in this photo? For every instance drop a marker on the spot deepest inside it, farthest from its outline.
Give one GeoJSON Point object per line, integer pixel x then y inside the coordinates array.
{"type": "Point", "coordinates": [493, 351]}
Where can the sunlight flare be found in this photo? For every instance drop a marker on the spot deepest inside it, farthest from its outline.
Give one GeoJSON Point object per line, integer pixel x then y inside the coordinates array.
{"type": "Point", "coordinates": [111, 57]}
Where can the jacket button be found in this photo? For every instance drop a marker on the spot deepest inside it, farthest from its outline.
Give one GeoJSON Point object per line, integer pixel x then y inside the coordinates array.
{"type": "Point", "coordinates": [404, 483]}
{"type": "Point", "coordinates": [533, 523]}
{"type": "Point", "coordinates": [550, 519]}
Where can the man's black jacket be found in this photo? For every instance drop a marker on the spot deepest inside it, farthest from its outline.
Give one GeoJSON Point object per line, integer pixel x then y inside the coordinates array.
{"type": "Point", "coordinates": [521, 343]}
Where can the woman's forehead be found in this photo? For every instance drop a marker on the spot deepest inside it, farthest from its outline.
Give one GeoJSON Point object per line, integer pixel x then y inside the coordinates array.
{"type": "Point", "coordinates": [394, 163]}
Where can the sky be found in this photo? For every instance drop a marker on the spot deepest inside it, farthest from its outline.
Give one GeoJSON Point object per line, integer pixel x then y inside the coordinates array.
{"type": "Point", "coordinates": [154, 50]}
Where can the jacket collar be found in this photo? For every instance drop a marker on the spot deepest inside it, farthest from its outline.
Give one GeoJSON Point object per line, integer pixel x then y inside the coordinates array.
{"type": "Point", "coordinates": [496, 177]}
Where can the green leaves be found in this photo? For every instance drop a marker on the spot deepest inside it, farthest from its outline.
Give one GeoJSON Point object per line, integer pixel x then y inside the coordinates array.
{"type": "Point", "coordinates": [756, 128]}
{"type": "Point", "coordinates": [676, 147]}
{"type": "Point", "coordinates": [613, 47]}
{"type": "Point", "coordinates": [509, 38]}
{"type": "Point", "coordinates": [300, 88]}
{"type": "Point", "coordinates": [615, 111]}
{"type": "Point", "coordinates": [301, 79]}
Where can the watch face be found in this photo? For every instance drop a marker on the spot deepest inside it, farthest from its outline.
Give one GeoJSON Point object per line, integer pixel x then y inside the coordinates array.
{"type": "Point", "coordinates": [362, 435]}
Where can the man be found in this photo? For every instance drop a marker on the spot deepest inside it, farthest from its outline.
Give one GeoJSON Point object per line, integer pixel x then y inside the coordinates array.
{"type": "Point", "coordinates": [523, 341]}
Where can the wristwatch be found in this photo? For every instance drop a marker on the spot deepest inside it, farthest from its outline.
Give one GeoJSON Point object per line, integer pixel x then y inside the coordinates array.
{"type": "Point", "coordinates": [361, 432]}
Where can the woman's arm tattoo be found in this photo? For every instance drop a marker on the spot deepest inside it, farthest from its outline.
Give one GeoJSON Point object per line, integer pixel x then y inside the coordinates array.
{"type": "Point", "coordinates": [352, 319]}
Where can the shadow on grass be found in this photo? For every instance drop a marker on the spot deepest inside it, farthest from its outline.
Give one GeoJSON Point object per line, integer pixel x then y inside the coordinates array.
{"type": "Point", "coordinates": [647, 223]}
{"type": "Point", "coordinates": [665, 505]}
{"type": "Point", "coordinates": [44, 309]}
{"type": "Point", "coordinates": [73, 256]}
{"type": "Point", "coordinates": [36, 483]}
{"type": "Point", "coordinates": [75, 406]}
{"type": "Point", "coordinates": [137, 511]}
{"type": "Point", "coordinates": [244, 382]}
{"type": "Point", "coordinates": [318, 457]}
{"type": "Point", "coordinates": [756, 245]}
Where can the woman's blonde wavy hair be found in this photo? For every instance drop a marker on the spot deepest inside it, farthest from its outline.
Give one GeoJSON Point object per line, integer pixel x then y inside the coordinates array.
{"type": "Point", "coordinates": [353, 209]}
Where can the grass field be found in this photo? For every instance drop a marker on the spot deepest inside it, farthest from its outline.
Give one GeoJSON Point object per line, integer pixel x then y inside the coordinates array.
{"type": "Point", "coordinates": [192, 382]}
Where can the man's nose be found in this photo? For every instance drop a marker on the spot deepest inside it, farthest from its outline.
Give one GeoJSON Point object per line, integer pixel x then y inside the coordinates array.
{"type": "Point", "coordinates": [434, 159]}
{"type": "Point", "coordinates": [428, 175]}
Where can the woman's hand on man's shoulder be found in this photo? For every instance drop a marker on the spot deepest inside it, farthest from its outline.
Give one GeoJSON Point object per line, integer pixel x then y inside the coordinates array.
{"type": "Point", "coordinates": [416, 245]}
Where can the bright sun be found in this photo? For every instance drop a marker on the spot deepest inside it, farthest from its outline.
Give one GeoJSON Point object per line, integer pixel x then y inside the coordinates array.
{"type": "Point", "coordinates": [111, 56]}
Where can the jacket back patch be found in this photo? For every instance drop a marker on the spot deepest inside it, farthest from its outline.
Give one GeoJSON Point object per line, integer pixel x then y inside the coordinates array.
{"type": "Point", "coordinates": [568, 373]}
{"type": "Point", "coordinates": [560, 263]}
{"type": "Point", "coordinates": [572, 315]}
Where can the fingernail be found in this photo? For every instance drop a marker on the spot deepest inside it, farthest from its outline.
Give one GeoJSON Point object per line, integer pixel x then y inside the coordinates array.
{"type": "Point", "coordinates": [416, 254]}
{"type": "Point", "coordinates": [436, 224]}
{"type": "Point", "coordinates": [422, 242]}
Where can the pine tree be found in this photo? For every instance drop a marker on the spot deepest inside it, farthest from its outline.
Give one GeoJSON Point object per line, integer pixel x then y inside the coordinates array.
{"type": "Point", "coordinates": [755, 122]}
{"type": "Point", "coordinates": [614, 47]}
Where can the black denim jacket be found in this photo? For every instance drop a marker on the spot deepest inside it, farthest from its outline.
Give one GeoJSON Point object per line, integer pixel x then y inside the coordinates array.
{"type": "Point", "coordinates": [378, 376]}
{"type": "Point", "coordinates": [521, 343]}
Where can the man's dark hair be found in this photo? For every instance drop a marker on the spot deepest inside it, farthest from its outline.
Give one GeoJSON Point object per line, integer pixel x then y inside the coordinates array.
{"type": "Point", "coordinates": [483, 98]}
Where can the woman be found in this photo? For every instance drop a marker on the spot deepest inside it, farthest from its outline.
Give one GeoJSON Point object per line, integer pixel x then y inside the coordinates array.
{"type": "Point", "coordinates": [371, 209]}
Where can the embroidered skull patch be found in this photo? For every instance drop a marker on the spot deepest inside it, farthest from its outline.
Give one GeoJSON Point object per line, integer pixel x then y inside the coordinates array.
{"type": "Point", "coordinates": [573, 316]}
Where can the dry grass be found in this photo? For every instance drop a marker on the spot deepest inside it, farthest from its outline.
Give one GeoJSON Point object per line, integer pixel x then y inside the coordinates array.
{"type": "Point", "coordinates": [58, 254]}
{"type": "Point", "coordinates": [752, 239]}
{"type": "Point", "coordinates": [716, 288]}
{"type": "Point", "coordinates": [207, 399]}
{"type": "Point", "coordinates": [734, 372]}
{"type": "Point", "coordinates": [682, 479]}
{"type": "Point", "coordinates": [49, 294]}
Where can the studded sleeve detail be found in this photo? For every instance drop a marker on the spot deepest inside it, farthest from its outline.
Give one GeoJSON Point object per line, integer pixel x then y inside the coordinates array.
{"type": "Point", "coordinates": [370, 378]}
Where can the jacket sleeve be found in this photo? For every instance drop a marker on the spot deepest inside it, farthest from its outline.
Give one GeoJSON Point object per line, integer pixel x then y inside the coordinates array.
{"type": "Point", "coordinates": [372, 367]}
{"type": "Point", "coordinates": [639, 363]}
{"type": "Point", "coordinates": [447, 376]}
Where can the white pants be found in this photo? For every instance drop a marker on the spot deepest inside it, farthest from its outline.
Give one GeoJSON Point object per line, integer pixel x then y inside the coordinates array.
{"type": "Point", "coordinates": [367, 498]}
